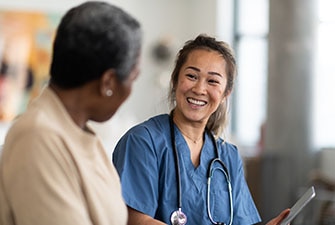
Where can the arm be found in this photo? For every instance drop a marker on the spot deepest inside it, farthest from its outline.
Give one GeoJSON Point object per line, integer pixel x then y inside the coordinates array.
{"type": "Point", "coordinates": [277, 220]}
{"type": "Point", "coordinates": [245, 211]}
{"type": "Point", "coordinates": [135, 159]}
{"type": "Point", "coordinates": [138, 218]}
{"type": "Point", "coordinates": [40, 182]}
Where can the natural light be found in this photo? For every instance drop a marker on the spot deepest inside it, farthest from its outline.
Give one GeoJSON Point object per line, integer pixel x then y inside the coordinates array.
{"type": "Point", "coordinates": [251, 46]}
{"type": "Point", "coordinates": [324, 104]}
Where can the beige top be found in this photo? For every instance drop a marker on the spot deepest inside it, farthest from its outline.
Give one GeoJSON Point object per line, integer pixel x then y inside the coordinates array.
{"type": "Point", "coordinates": [52, 172]}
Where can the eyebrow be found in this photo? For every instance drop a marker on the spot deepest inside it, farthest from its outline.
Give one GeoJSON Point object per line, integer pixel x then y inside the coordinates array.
{"type": "Point", "coordinates": [198, 70]}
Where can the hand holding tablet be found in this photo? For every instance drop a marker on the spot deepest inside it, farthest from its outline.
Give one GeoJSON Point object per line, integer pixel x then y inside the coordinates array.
{"type": "Point", "coordinates": [299, 205]}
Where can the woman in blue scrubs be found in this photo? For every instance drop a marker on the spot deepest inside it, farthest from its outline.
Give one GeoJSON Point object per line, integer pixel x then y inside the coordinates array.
{"type": "Point", "coordinates": [164, 162]}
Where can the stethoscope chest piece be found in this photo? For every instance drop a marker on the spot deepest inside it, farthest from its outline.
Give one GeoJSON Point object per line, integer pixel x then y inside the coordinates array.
{"type": "Point", "coordinates": [178, 217]}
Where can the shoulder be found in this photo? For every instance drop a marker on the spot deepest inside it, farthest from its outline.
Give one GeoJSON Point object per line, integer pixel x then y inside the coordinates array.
{"type": "Point", "coordinates": [30, 141]}
{"type": "Point", "coordinates": [156, 125]}
{"type": "Point", "coordinates": [143, 144]}
{"type": "Point", "coordinates": [43, 115]}
{"type": "Point", "coordinates": [228, 150]}
{"type": "Point", "coordinates": [37, 131]}
{"type": "Point", "coordinates": [159, 122]}
{"type": "Point", "coordinates": [227, 146]}
{"type": "Point", "coordinates": [30, 126]}
{"type": "Point", "coordinates": [34, 126]}
{"type": "Point", "coordinates": [36, 151]}
{"type": "Point", "coordinates": [151, 135]}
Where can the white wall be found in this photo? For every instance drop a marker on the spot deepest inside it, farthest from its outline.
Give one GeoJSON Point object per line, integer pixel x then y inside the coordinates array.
{"type": "Point", "coordinates": [173, 20]}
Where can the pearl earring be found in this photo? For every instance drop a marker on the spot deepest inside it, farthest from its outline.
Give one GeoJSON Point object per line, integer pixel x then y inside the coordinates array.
{"type": "Point", "coordinates": [109, 93]}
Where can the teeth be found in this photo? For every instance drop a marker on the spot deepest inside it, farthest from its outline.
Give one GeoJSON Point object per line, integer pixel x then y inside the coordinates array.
{"type": "Point", "coordinates": [196, 102]}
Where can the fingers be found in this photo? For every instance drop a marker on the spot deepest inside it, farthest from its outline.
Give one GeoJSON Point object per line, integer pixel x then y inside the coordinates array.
{"type": "Point", "coordinates": [279, 218]}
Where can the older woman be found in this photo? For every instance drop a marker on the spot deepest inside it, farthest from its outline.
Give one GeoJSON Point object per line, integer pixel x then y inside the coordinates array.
{"type": "Point", "coordinates": [54, 169]}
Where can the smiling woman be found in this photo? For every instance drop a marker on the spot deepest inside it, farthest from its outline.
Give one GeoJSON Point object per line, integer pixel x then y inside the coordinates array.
{"type": "Point", "coordinates": [201, 87]}
{"type": "Point", "coordinates": [188, 140]}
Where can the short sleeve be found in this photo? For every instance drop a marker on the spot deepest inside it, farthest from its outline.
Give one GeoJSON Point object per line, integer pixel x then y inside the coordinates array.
{"type": "Point", "coordinates": [245, 211]}
{"type": "Point", "coordinates": [136, 161]}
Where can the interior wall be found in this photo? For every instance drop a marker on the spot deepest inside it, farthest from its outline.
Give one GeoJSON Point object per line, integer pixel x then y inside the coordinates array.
{"type": "Point", "coordinates": [172, 22]}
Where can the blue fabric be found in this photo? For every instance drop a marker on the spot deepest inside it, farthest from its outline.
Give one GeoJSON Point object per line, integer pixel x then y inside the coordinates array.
{"type": "Point", "coordinates": [145, 162]}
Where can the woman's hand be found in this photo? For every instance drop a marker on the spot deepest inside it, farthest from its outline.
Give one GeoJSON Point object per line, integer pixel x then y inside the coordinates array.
{"type": "Point", "coordinates": [279, 218]}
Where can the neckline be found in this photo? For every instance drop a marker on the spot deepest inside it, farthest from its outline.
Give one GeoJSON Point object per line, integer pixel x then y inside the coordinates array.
{"type": "Point", "coordinates": [196, 141]}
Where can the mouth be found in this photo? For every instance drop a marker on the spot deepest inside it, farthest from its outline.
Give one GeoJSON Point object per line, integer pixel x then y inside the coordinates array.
{"type": "Point", "coordinates": [196, 102]}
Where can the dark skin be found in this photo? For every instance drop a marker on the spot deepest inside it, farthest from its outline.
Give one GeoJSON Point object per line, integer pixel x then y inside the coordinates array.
{"type": "Point", "coordinates": [77, 102]}
{"type": "Point", "coordinates": [91, 102]}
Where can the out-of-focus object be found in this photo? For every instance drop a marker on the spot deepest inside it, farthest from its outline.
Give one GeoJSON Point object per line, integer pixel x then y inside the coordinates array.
{"type": "Point", "coordinates": [25, 50]}
{"type": "Point", "coordinates": [323, 178]}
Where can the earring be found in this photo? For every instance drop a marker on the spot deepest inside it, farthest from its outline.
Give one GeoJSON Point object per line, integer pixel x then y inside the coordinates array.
{"type": "Point", "coordinates": [109, 93]}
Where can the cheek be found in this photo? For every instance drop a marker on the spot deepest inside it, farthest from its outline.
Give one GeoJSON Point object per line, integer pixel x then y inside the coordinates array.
{"type": "Point", "coordinates": [217, 96]}
{"type": "Point", "coordinates": [183, 86]}
{"type": "Point", "coordinates": [127, 88]}
{"type": "Point", "coordinates": [126, 93]}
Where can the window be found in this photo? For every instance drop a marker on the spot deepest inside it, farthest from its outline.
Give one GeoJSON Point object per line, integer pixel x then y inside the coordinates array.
{"type": "Point", "coordinates": [324, 104]}
{"type": "Point", "coordinates": [250, 40]}
{"type": "Point", "coordinates": [251, 53]}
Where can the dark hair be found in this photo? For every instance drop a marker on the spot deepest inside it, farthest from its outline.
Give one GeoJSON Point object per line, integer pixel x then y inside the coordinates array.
{"type": "Point", "coordinates": [218, 120]}
{"type": "Point", "coordinates": [92, 38]}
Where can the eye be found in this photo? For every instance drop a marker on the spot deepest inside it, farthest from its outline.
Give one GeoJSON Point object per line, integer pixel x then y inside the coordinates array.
{"type": "Point", "coordinates": [191, 76]}
{"type": "Point", "coordinates": [214, 81]}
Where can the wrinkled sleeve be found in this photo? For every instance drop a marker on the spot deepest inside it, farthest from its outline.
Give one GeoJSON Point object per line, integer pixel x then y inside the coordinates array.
{"type": "Point", "coordinates": [136, 162]}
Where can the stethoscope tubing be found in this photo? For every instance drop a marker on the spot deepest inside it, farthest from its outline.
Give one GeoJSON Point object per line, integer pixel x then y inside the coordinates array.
{"type": "Point", "coordinates": [209, 176]}
{"type": "Point", "coordinates": [176, 159]}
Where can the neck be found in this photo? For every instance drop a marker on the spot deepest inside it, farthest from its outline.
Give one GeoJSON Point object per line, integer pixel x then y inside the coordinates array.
{"type": "Point", "coordinates": [195, 140]}
{"type": "Point", "coordinates": [71, 101]}
{"type": "Point", "coordinates": [191, 131]}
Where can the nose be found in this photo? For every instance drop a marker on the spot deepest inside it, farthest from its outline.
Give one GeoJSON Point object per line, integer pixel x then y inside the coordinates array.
{"type": "Point", "coordinates": [199, 87]}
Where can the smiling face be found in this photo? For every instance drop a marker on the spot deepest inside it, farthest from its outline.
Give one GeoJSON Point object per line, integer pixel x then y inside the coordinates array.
{"type": "Point", "coordinates": [201, 86]}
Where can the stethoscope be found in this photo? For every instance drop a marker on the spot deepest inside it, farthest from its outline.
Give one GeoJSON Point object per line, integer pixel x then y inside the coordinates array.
{"type": "Point", "coordinates": [178, 217]}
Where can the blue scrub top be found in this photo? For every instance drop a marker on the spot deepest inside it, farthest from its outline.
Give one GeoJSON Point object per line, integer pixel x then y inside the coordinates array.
{"type": "Point", "coordinates": [145, 162]}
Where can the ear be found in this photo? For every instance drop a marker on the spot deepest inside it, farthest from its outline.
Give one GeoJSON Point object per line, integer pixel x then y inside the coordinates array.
{"type": "Point", "coordinates": [107, 83]}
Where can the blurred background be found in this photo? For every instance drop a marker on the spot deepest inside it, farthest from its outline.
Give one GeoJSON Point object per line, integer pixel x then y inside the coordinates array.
{"type": "Point", "coordinates": [282, 109]}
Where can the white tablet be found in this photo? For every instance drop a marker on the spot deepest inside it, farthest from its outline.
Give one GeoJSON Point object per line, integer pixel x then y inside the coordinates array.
{"type": "Point", "coordinates": [299, 205]}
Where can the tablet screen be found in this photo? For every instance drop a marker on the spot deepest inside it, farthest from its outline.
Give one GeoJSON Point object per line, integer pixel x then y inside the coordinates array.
{"type": "Point", "coordinates": [299, 205]}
